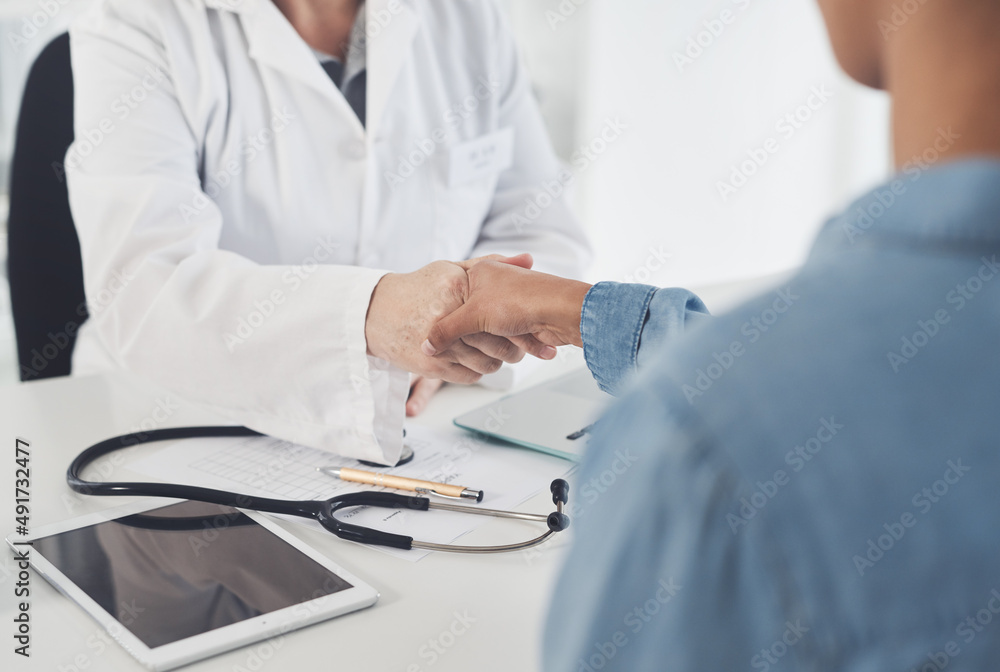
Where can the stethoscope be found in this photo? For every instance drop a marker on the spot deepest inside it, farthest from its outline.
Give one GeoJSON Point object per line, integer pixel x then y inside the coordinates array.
{"type": "Point", "coordinates": [323, 511]}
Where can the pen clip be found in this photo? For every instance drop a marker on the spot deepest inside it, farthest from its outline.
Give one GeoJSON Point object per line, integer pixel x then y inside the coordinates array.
{"type": "Point", "coordinates": [428, 491]}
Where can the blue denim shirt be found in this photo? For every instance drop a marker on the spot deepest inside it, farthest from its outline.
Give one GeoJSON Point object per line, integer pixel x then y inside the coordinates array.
{"type": "Point", "coordinates": [809, 482]}
{"type": "Point", "coordinates": [624, 325]}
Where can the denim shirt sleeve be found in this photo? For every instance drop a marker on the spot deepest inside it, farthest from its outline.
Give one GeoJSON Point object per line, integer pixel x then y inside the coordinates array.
{"type": "Point", "coordinates": [624, 325]}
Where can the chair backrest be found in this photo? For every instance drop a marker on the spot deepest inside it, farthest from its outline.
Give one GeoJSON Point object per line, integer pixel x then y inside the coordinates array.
{"type": "Point", "coordinates": [44, 265]}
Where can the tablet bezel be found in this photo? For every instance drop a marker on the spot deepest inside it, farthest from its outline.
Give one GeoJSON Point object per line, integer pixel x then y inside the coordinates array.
{"type": "Point", "coordinates": [213, 642]}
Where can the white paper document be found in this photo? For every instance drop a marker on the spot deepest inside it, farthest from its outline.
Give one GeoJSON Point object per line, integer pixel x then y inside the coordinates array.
{"type": "Point", "coordinates": [269, 467]}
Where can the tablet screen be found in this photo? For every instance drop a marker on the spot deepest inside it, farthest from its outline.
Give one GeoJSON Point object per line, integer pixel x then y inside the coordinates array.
{"type": "Point", "coordinates": [178, 571]}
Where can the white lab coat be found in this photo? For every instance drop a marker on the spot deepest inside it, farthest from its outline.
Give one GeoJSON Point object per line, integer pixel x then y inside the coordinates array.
{"type": "Point", "coordinates": [234, 215]}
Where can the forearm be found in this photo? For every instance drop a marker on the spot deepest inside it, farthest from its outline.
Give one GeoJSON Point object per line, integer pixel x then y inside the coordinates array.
{"type": "Point", "coordinates": [619, 326]}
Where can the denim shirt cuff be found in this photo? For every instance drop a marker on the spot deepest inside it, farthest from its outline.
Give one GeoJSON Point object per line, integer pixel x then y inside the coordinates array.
{"type": "Point", "coordinates": [611, 324]}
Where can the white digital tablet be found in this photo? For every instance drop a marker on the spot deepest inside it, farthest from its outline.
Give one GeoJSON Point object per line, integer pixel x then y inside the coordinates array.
{"type": "Point", "coordinates": [555, 417]}
{"type": "Point", "coordinates": [180, 582]}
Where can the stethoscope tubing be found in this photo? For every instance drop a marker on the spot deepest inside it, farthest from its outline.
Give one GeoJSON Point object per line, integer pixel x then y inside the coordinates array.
{"type": "Point", "coordinates": [172, 490]}
{"type": "Point", "coordinates": [320, 510]}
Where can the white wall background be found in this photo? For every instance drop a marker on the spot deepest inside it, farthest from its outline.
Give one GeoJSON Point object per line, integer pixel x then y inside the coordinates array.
{"type": "Point", "coordinates": [656, 186]}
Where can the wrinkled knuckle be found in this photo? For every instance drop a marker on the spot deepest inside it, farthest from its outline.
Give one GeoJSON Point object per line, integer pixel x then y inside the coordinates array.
{"type": "Point", "coordinates": [511, 351]}
{"type": "Point", "coordinates": [493, 365]}
{"type": "Point", "coordinates": [454, 284]}
{"type": "Point", "coordinates": [458, 373]}
{"type": "Point", "coordinates": [451, 375]}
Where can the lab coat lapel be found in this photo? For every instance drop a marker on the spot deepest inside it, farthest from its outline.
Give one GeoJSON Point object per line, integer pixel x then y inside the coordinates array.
{"type": "Point", "coordinates": [273, 42]}
{"type": "Point", "coordinates": [392, 25]}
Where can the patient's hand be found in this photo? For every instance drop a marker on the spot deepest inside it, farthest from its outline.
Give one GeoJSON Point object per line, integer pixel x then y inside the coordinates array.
{"type": "Point", "coordinates": [534, 310]}
{"type": "Point", "coordinates": [403, 309]}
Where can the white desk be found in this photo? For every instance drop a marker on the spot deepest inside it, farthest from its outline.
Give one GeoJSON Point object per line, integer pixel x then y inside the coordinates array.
{"type": "Point", "coordinates": [506, 594]}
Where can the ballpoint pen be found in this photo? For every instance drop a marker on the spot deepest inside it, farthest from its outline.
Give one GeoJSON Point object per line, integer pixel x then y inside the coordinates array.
{"type": "Point", "coordinates": [400, 483]}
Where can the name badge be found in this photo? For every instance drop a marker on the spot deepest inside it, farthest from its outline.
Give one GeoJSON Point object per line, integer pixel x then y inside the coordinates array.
{"type": "Point", "coordinates": [481, 157]}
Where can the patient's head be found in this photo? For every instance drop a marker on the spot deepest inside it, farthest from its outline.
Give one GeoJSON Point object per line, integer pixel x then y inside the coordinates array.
{"type": "Point", "coordinates": [854, 33]}
{"type": "Point", "coordinates": [862, 31]}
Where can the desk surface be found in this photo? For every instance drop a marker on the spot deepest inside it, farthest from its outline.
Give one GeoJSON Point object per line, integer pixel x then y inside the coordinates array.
{"type": "Point", "coordinates": [498, 600]}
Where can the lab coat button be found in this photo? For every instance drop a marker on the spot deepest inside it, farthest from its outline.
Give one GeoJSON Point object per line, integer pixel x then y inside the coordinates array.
{"type": "Point", "coordinates": [356, 150]}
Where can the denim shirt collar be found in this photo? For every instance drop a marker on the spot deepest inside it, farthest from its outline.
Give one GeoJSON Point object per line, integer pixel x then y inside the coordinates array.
{"type": "Point", "coordinates": [951, 205]}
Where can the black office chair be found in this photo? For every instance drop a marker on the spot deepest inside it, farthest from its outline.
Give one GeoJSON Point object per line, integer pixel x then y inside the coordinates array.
{"type": "Point", "coordinates": [44, 265]}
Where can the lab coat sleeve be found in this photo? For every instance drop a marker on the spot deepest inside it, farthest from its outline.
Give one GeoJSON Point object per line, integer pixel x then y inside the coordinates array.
{"type": "Point", "coordinates": [530, 211]}
{"type": "Point", "coordinates": [280, 349]}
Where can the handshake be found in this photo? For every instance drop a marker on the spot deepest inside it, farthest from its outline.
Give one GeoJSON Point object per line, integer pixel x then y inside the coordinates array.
{"type": "Point", "coordinates": [459, 321]}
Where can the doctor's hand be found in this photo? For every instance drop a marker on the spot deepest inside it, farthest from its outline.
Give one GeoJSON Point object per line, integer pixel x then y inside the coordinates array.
{"type": "Point", "coordinates": [405, 306]}
{"type": "Point", "coordinates": [421, 391]}
{"type": "Point", "coordinates": [534, 310]}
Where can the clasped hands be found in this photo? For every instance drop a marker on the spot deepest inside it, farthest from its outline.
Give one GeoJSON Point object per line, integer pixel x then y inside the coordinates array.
{"type": "Point", "coordinates": [459, 321]}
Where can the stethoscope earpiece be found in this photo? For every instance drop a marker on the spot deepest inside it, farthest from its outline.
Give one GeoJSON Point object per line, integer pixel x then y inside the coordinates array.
{"type": "Point", "coordinates": [557, 521]}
